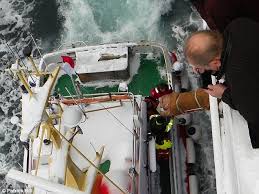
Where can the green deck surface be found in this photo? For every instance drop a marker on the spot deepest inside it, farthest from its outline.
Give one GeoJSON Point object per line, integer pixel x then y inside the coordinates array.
{"type": "Point", "coordinates": [147, 77]}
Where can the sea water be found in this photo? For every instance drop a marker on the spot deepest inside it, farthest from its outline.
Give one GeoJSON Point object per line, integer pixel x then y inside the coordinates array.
{"type": "Point", "coordinates": [53, 23]}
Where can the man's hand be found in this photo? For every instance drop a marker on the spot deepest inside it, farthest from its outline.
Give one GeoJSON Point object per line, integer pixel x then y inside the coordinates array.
{"type": "Point", "coordinates": [216, 90]}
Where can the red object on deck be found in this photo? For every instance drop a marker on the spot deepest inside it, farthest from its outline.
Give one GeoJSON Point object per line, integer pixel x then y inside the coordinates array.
{"type": "Point", "coordinates": [100, 187]}
{"type": "Point", "coordinates": [173, 57]}
{"type": "Point", "coordinates": [158, 92]}
{"type": "Point", "coordinates": [69, 60]}
{"type": "Point", "coordinates": [104, 189]}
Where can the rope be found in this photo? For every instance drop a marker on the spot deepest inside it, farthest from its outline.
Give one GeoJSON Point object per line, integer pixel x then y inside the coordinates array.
{"type": "Point", "coordinates": [177, 105]}
{"type": "Point", "coordinates": [117, 119]}
{"type": "Point", "coordinates": [196, 99]}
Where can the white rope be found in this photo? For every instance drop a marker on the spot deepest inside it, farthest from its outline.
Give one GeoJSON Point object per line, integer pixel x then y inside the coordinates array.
{"type": "Point", "coordinates": [117, 119]}
{"type": "Point", "coordinates": [196, 99]}
{"type": "Point", "coordinates": [177, 105]}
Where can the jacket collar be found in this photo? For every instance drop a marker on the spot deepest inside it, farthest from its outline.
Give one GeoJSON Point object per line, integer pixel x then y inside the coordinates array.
{"type": "Point", "coordinates": [227, 45]}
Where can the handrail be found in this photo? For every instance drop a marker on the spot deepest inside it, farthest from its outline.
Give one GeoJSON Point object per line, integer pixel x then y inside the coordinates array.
{"type": "Point", "coordinates": [166, 57]}
{"type": "Point", "coordinates": [99, 94]}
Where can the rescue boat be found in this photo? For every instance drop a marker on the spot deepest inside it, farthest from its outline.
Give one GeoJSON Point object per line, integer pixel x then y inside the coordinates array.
{"type": "Point", "coordinates": [87, 126]}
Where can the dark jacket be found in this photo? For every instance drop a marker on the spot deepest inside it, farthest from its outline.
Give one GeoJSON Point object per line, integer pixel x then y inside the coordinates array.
{"type": "Point", "coordinates": [240, 64]}
{"type": "Point", "coordinates": [219, 13]}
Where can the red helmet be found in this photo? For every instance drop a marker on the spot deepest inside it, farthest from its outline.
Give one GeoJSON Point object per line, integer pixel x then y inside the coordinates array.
{"type": "Point", "coordinates": [160, 90]}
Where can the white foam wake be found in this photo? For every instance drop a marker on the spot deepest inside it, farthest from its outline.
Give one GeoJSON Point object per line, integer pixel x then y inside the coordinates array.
{"type": "Point", "coordinates": [115, 20]}
{"type": "Point", "coordinates": [11, 151]}
{"type": "Point", "coordinates": [14, 21]}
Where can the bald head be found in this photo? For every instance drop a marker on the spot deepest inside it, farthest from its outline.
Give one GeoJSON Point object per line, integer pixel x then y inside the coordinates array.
{"type": "Point", "coordinates": [203, 46]}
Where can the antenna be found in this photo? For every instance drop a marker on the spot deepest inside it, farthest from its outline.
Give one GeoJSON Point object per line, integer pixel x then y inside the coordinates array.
{"type": "Point", "coordinates": [20, 58]}
{"type": "Point", "coordinates": [16, 54]}
{"type": "Point", "coordinates": [93, 147]}
{"type": "Point", "coordinates": [38, 49]}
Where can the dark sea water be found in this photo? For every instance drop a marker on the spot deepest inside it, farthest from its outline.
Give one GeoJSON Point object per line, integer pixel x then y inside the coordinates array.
{"type": "Point", "coordinates": [52, 23]}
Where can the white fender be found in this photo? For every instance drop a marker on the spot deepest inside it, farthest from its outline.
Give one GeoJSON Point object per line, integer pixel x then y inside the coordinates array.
{"type": "Point", "coordinates": [191, 157]}
{"type": "Point", "coordinates": [193, 184]}
{"type": "Point", "coordinates": [152, 154]}
{"type": "Point", "coordinates": [72, 116]}
{"type": "Point", "coordinates": [177, 66]}
{"type": "Point", "coordinates": [123, 87]}
{"type": "Point", "coordinates": [194, 131]}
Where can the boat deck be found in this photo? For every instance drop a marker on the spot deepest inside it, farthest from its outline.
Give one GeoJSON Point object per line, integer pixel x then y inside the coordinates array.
{"type": "Point", "coordinates": [150, 73]}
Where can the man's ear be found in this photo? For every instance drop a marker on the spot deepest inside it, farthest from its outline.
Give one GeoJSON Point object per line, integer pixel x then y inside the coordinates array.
{"type": "Point", "coordinates": [215, 63]}
{"type": "Point", "coordinates": [218, 62]}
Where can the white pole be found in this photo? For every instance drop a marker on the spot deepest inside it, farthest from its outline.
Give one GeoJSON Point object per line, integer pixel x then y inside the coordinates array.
{"type": "Point", "coordinates": [152, 154]}
{"type": "Point", "coordinates": [91, 173]}
{"type": "Point", "coordinates": [193, 184]}
{"type": "Point", "coordinates": [60, 164]}
{"type": "Point", "coordinates": [41, 183]}
{"type": "Point", "coordinates": [191, 157]}
{"type": "Point", "coordinates": [217, 144]}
